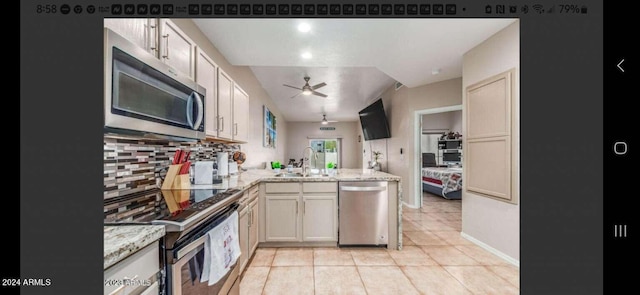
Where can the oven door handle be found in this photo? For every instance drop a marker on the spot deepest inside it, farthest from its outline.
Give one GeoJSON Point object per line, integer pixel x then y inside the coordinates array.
{"type": "Point", "coordinates": [195, 245]}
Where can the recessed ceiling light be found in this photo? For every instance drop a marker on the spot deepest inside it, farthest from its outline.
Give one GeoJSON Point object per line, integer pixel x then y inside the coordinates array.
{"type": "Point", "coordinates": [304, 27]}
{"type": "Point", "coordinates": [435, 71]}
{"type": "Point", "coordinates": [307, 55]}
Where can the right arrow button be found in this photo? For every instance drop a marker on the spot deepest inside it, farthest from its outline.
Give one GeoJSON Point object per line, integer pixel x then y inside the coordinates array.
{"type": "Point", "coordinates": [620, 65]}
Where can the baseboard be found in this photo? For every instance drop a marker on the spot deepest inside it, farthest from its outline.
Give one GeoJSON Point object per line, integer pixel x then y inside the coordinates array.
{"type": "Point", "coordinates": [491, 249]}
{"type": "Point", "coordinates": [410, 206]}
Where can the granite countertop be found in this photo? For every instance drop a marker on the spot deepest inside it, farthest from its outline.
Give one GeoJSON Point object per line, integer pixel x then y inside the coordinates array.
{"type": "Point", "coordinates": [251, 177]}
{"type": "Point", "coordinates": [120, 241]}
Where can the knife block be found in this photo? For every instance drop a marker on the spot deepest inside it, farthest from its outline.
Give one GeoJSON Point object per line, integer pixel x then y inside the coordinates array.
{"type": "Point", "coordinates": [173, 180]}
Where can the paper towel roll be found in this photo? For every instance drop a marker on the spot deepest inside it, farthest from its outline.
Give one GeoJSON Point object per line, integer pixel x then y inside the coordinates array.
{"type": "Point", "coordinates": [223, 163]}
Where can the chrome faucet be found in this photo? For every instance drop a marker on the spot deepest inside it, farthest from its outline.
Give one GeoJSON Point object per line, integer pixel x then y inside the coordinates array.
{"type": "Point", "coordinates": [304, 164]}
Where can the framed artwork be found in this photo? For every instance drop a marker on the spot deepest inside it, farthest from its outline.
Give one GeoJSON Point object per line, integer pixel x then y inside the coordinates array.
{"type": "Point", "coordinates": [270, 134]}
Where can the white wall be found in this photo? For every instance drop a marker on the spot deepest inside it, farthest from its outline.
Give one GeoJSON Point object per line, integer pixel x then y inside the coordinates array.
{"type": "Point", "coordinates": [299, 133]}
{"type": "Point", "coordinates": [257, 154]}
{"type": "Point", "coordinates": [440, 121]}
{"type": "Point", "coordinates": [493, 222]}
{"type": "Point", "coordinates": [400, 107]}
{"type": "Point", "coordinates": [456, 122]}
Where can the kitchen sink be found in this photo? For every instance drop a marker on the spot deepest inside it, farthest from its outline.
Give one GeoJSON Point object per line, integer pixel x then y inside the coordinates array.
{"type": "Point", "coordinates": [318, 175]}
{"type": "Point", "coordinates": [286, 174]}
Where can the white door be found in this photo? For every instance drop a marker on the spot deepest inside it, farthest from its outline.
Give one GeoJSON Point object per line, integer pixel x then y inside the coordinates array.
{"type": "Point", "coordinates": [206, 77]}
{"type": "Point", "coordinates": [225, 95]}
{"type": "Point", "coordinates": [240, 114]}
{"type": "Point", "coordinates": [177, 49]}
{"type": "Point", "coordinates": [281, 222]}
{"type": "Point", "coordinates": [320, 218]}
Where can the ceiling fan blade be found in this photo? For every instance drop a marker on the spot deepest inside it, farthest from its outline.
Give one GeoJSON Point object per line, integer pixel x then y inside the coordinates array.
{"type": "Point", "coordinates": [296, 95]}
{"type": "Point", "coordinates": [314, 87]}
{"type": "Point", "coordinates": [291, 86]}
{"type": "Point", "coordinates": [318, 94]}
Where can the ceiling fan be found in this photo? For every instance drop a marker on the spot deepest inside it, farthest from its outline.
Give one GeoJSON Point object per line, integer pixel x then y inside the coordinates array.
{"type": "Point", "coordinates": [308, 90]}
{"type": "Point", "coordinates": [325, 121]}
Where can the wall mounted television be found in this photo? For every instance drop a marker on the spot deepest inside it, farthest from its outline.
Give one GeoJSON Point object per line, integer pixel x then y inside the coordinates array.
{"type": "Point", "coordinates": [374, 121]}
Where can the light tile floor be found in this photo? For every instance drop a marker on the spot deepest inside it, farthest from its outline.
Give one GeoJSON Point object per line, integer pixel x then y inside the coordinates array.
{"type": "Point", "coordinates": [435, 259]}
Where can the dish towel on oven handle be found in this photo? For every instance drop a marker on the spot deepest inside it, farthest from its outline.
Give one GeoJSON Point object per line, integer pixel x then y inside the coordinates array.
{"type": "Point", "coordinates": [221, 250]}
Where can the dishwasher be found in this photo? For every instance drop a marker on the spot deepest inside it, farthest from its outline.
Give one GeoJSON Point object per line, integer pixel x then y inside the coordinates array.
{"type": "Point", "coordinates": [363, 213]}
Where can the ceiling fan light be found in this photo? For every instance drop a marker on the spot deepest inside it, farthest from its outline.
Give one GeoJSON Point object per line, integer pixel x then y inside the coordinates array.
{"type": "Point", "coordinates": [324, 122]}
{"type": "Point", "coordinates": [306, 92]}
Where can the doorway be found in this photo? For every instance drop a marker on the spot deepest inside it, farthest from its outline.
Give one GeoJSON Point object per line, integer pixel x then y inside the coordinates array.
{"type": "Point", "coordinates": [426, 137]}
{"type": "Point", "coordinates": [327, 151]}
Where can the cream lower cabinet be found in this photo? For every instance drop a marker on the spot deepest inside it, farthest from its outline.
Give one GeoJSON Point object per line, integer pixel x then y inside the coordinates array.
{"type": "Point", "coordinates": [320, 218]}
{"type": "Point", "coordinates": [301, 212]}
{"type": "Point", "coordinates": [253, 227]}
{"type": "Point", "coordinates": [243, 237]}
{"type": "Point", "coordinates": [143, 265]}
{"type": "Point", "coordinates": [282, 223]}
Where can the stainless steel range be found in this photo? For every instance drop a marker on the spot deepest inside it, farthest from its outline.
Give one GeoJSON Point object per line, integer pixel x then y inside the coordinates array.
{"type": "Point", "coordinates": [188, 216]}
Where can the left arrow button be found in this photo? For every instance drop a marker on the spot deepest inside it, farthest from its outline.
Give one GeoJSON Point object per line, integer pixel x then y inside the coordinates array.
{"type": "Point", "coordinates": [620, 65]}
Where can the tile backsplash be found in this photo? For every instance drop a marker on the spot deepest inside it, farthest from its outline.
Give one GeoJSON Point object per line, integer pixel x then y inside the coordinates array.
{"type": "Point", "coordinates": [131, 167]}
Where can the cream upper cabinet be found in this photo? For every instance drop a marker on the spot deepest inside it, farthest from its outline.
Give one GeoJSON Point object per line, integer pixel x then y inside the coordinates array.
{"type": "Point", "coordinates": [176, 48]}
{"type": "Point", "coordinates": [206, 71]}
{"type": "Point", "coordinates": [225, 105]}
{"type": "Point", "coordinates": [162, 38]}
{"type": "Point", "coordinates": [240, 114]}
{"type": "Point", "coordinates": [141, 31]}
{"type": "Point", "coordinates": [320, 217]}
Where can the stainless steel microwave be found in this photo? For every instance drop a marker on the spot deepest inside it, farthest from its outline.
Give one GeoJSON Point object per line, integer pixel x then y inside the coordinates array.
{"type": "Point", "coordinates": [142, 94]}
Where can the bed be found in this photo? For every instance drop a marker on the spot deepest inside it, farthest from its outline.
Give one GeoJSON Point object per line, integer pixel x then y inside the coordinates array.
{"type": "Point", "coordinates": [441, 181]}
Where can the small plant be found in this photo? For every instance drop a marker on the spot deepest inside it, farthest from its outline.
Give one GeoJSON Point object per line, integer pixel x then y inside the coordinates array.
{"type": "Point", "coordinates": [330, 165]}
{"type": "Point", "coordinates": [275, 165]}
